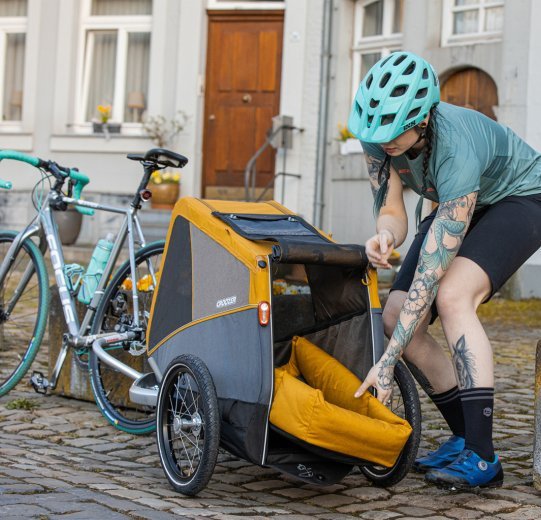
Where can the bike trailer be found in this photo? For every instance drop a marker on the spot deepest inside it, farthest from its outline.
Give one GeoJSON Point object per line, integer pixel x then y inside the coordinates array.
{"type": "Point", "coordinates": [287, 322]}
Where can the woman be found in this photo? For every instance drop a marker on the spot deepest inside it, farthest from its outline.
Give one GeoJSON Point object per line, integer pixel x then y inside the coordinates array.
{"type": "Point", "coordinates": [487, 183]}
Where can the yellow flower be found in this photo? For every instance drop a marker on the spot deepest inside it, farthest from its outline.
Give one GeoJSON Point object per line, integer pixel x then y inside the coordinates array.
{"type": "Point", "coordinates": [344, 134]}
{"type": "Point", "coordinates": [105, 112]}
{"type": "Point", "coordinates": [159, 177]}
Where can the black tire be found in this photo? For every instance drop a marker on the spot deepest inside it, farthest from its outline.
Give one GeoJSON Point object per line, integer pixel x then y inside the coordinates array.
{"type": "Point", "coordinates": [21, 327]}
{"type": "Point", "coordinates": [406, 404]}
{"type": "Point", "coordinates": [187, 394]}
{"type": "Point", "coordinates": [110, 387]}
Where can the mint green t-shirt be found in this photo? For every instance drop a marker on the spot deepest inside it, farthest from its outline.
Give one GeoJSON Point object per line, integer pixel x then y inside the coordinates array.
{"type": "Point", "coordinates": [471, 152]}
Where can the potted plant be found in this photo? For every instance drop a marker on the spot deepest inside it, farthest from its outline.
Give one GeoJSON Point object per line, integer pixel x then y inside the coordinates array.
{"type": "Point", "coordinates": [104, 125]}
{"type": "Point", "coordinates": [348, 142]}
{"type": "Point", "coordinates": [164, 185]}
{"type": "Point", "coordinates": [165, 188]}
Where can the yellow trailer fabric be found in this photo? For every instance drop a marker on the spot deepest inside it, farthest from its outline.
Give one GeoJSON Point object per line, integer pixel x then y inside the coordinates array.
{"type": "Point", "coordinates": [323, 411]}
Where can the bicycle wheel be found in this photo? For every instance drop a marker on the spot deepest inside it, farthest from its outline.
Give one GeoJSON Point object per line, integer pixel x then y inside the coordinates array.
{"type": "Point", "coordinates": [405, 403]}
{"type": "Point", "coordinates": [188, 432]}
{"type": "Point", "coordinates": [115, 314]}
{"type": "Point", "coordinates": [24, 307]}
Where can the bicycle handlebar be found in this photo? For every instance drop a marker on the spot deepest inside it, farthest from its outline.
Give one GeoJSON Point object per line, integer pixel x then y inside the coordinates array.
{"type": "Point", "coordinates": [81, 180]}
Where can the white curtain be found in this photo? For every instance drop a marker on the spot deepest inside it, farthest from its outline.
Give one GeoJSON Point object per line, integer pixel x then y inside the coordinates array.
{"type": "Point", "coordinates": [137, 71]}
{"type": "Point", "coordinates": [12, 7]}
{"type": "Point", "coordinates": [102, 72]}
{"type": "Point", "coordinates": [373, 19]}
{"type": "Point", "coordinates": [13, 77]}
{"type": "Point", "coordinates": [466, 22]}
{"type": "Point", "coordinates": [120, 7]}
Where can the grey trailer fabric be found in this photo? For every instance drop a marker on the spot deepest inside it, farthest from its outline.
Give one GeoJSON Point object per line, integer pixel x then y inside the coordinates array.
{"type": "Point", "coordinates": [173, 306]}
{"type": "Point", "coordinates": [238, 354]}
{"type": "Point", "coordinates": [349, 342]}
{"type": "Point", "coordinates": [222, 281]}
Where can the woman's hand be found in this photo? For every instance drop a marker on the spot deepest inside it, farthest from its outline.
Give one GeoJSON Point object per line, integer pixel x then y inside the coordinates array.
{"type": "Point", "coordinates": [381, 377]}
{"type": "Point", "coordinates": [379, 248]}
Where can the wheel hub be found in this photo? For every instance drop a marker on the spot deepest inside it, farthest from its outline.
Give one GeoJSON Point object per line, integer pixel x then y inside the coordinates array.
{"type": "Point", "coordinates": [192, 424]}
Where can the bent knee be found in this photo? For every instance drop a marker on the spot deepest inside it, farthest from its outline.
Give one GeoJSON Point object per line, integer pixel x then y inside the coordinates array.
{"type": "Point", "coordinates": [453, 300]}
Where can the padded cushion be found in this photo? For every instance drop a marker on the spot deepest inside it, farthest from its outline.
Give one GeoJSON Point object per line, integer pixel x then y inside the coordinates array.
{"type": "Point", "coordinates": [323, 411]}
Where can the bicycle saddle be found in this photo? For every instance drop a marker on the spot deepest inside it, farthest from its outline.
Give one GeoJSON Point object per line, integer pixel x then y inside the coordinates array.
{"type": "Point", "coordinates": [162, 157]}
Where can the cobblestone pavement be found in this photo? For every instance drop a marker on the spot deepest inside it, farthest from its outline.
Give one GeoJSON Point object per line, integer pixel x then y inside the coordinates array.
{"type": "Point", "coordinates": [61, 460]}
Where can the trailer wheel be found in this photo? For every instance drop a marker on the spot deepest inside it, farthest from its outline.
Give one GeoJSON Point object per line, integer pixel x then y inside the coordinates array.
{"type": "Point", "coordinates": [188, 424]}
{"type": "Point", "coordinates": [405, 403]}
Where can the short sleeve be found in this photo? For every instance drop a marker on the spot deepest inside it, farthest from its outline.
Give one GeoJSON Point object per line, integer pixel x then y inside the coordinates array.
{"type": "Point", "coordinates": [375, 150]}
{"type": "Point", "coordinates": [458, 174]}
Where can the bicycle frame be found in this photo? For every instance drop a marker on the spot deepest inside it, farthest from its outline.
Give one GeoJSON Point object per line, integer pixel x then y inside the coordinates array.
{"type": "Point", "coordinates": [44, 226]}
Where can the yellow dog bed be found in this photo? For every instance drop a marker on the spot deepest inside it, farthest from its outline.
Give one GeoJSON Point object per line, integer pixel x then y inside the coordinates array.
{"type": "Point", "coordinates": [324, 412]}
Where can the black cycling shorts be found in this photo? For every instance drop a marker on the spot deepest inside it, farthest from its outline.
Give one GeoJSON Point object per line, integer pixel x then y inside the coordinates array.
{"type": "Point", "coordinates": [501, 237]}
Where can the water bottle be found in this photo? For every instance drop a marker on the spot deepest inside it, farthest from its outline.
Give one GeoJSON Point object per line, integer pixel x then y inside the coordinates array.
{"type": "Point", "coordinates": [95, 268]}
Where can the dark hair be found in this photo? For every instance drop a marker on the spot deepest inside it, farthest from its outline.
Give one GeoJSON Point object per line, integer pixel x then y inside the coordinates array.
{"type": "Point", "coordinates": [429, 135]}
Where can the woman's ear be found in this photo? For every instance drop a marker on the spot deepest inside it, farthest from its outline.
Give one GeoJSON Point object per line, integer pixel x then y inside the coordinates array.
{"type": "Point", "coordinates": [424, 123]}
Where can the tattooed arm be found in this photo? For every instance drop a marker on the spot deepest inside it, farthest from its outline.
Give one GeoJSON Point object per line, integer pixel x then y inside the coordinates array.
{"type": "Point", "coordinates": [440, 247]}
{"type": "Point", "coordinates": [392, 223]}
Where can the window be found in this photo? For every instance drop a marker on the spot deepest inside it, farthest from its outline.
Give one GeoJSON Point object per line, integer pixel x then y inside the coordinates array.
{"type": "Point", "coordinates": [115, 59]}
{"type": "Point", "coordinates": [472, 21]}
{"type": "Point", "coordinates": [378, 31]}
{"type": "Point", "coordinates": [13, 24]}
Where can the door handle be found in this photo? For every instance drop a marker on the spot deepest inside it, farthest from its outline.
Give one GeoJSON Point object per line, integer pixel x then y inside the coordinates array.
{"type": "Point", "coordinates": [212, 117]}
{"type": "Point", "coordinates": [246, 98]}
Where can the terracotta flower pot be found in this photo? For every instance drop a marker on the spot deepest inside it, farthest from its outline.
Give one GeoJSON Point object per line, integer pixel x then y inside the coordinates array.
{"type": "Point", "coordinates": [164, 195]}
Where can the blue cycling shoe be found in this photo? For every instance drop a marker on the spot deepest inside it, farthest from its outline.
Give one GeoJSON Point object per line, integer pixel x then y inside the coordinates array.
{"type": "Point", "coordinates": [468, 471]}
{"type": "Point", "coordinates": [443, 456]}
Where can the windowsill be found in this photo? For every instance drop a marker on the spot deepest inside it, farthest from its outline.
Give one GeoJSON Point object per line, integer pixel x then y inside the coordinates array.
{"type": "Point", "coordinates": [114, 143]}
{"type": "Point", "coordinates": [13, 139]}
{"type": "Point", "coordinates": [472, 39]}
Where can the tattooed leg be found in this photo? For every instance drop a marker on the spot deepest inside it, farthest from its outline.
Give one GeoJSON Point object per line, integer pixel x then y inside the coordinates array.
{"type": "Point", "coordinates": [465, 364]}
{"type": "Point", "coordinates": [461, 291]}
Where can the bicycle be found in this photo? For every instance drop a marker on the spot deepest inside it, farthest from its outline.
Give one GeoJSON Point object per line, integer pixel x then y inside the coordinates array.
{"type": "Point", "coordinates": [116, 316]}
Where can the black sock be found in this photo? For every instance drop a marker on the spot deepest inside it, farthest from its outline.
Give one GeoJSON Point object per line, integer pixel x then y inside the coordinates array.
{"type": "Point", "coordinates": [477, 406]}
{"type": "Point", "coordinates": [450, 407]}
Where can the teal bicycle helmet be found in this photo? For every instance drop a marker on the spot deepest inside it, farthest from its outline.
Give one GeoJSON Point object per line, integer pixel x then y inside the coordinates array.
{"type": "Point", "coordinates": [396, 95]}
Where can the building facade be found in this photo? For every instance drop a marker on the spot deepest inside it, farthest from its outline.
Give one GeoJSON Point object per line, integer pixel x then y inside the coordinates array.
{"type": "Point", "coordinates": [225, 68]}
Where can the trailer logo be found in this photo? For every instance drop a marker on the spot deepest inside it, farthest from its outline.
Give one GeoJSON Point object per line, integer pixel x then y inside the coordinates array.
{"type": "Point", "coordinates": [305, 471]}
{"type": "Point", "coordinates": [226, 302]}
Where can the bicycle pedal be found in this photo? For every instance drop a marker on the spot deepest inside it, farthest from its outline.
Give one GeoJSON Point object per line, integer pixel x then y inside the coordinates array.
{"type": "Point", "coordinates": [39, 382]}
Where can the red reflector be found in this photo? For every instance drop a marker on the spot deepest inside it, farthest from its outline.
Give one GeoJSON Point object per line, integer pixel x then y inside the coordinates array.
{"type": "Point", "coordinates": [263, 313]}
{"type": "Point", "coordinates": [145, 194]}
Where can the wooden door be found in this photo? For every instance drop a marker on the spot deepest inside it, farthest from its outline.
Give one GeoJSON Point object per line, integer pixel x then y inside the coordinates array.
{"type": "Point", "coordinates": [471, 88]}
{"type": "Point", "coordinates": [242, 94]}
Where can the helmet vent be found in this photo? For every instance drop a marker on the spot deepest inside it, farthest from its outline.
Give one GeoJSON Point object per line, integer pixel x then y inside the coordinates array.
{"type": "Point", "coordinates": [413, 113]}
{"type": "Point", "coordinates": [400, 59]}
{"type": "Point", "coordinates": [410, 69]}
{"type": "Point", "coordinates": [399, 91]}
{"type": "Point", "coordinates": [374, 103]}
{"type": "Point", "coordinates": [421, 93]}
{"type": "Point", "coordinates": [386, 60]}
{"type": "Point", "coordinates": [385, 79]}
{"type": "Point", "coordinates": [387, 119]}
{"type": "Point", "coordinates": [425, 74]}
{"type": "Point", "coordinates": [369, 121]}
{"type": "Point", "coordinates": [359, 109]}
{"type": "Point", "coordinates": [369, 81]}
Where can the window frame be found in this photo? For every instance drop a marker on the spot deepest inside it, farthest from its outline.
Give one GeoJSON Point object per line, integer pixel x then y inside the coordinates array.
{"type": "Point", "coordinates": [123, 24]}
{"type": "Point", "coordinates": [448, 38]}
{"type": "Point", "coordinates": [12, 25]}
{"type": "Point", "coordinates": [385, 43]}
